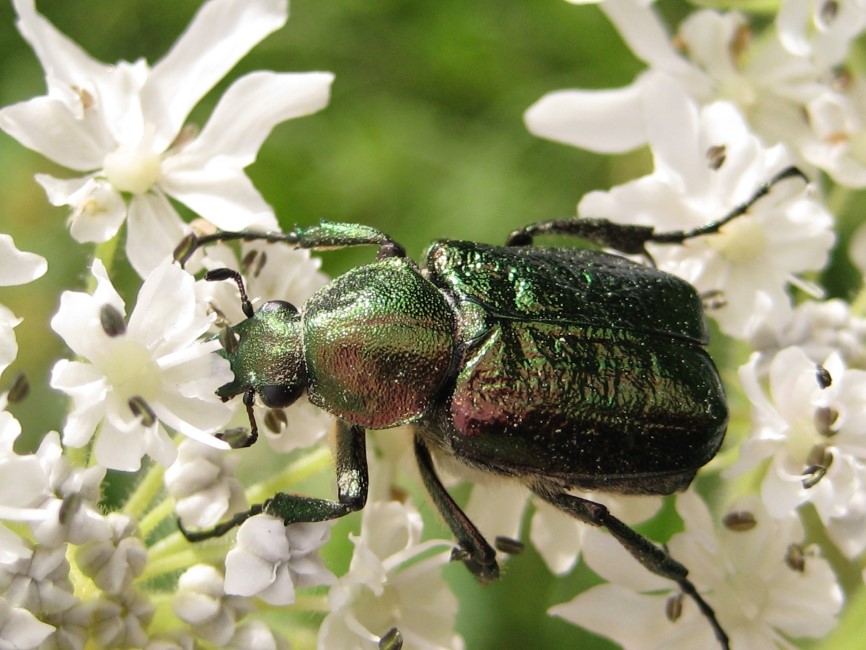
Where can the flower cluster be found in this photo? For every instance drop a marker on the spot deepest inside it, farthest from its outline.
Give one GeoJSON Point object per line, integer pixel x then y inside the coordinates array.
{"type": "Point", "coordinates": [729, 114]}
{"type": "Point", "coordinates": [754, 134]}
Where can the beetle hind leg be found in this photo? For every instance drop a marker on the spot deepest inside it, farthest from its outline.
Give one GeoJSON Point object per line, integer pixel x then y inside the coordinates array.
{"type": "Point", "coordinates": [473, 550]}
{"type": "Point", "coordinates": [653, 557]}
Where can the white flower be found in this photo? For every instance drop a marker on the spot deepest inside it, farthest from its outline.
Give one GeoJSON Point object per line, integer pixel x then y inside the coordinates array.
{"type": "Point", "coordinates": [772, 90]}
{"type": "Point", "coordinates": [497, 510]}
{"type": "Point", "coordinates": [814, 436]}
{"type": "Point", "coordinates": [784, 96]}
{"type": "Point", "coordinates": [271, 559]}
{"type": "Point", "coordinates": [23, 489]}
{"type": "Point", "coordinates": [141, 374]}
{"type": "Point", "coordinates": [270, 272]}
{"type": "Point", "coordinates": [20, 629]}
{"type": "Point", "coordinates": [71, 505]}
{"type": "Point", "coordinates": [819, 329]}
{"type": "Point", "coordinates": [16, 267]}
{"type": "Point", "coordinates": [762, 583]}
{"type": "Point", "coordinates": [706, 164]}
{"type": "Point", "coordinates": [121, 621]}
{"type": "Point", "coordinates": [820, 29]}
{"type": "Point", "coordinates": [202, 602]}
{"type": "Point", "coordinates": [390, 585]}
{"type": "Point", "coordinates": [203, 485]}
{"type": "Point", "coordinates": [837, 142]}
{"type": "Point", "coordinates": [256, 634]}
{"type": "Point", "coordinates": [40, 583]}
{"type": "Point", "coordinates": [122, 125]}
{"type": "Point", "coordinates": [114, 563]}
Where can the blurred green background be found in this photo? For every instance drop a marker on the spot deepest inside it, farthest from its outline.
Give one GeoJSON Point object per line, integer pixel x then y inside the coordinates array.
{"type": "Point", "coordinates": [423, 138]}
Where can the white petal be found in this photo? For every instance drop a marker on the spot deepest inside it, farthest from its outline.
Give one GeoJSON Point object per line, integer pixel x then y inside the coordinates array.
{"type": "Point", "coordinates": [220, 193]}
{"type": "Point", "coordinates": [154, 229]}
{"type": "Point", "coordinates": [98, 210]}
{"type": "Point", "coordinates": [12, 547]}
{"type": "Point", "coordinates": [8, 344]}
{"type": "Point", "coordinates": [17, 267]}
{"type": "Point", "coordinates": [47, 126]}
{"type": "Point", "coordinates": [606, 121]}
{"type": "Point", "coordinates": [221, 34]}
{"type": "Point", "coordinates": [61, 190]}
{"type": "Point", "coordinates": [116, 449]}
{"type": "Point", "coordinates": [24, 483]}
{"type": "Point", "coordinates": [247, 574]}
{"type": "Point", "coordinates": [557, 537]}
{"type": "Point", "coordinates": [74, 322]}
{"type": "Point", "coordinates": [674, 133]}
{"type": "Point", "coordinates": [21, 629]}
{"type": "Point", "coordinates": [631, 620]}
{"type": "Point", "coordinates": [282, 590]}
{"type": "Point", "coordinates": [645, 34]}
{"type": "Point", "coordinates": [166, 302]}
{"type": "Point", "coordinates": [247, 112]}
{"type": "Point", "coordinates": [497, 508]}
{"type": "Point", "coordinates": [610, 560]}
{"type": "Point", "coordinates": [791, 23]}
{"type": "Point", "coordinates": [62, 58]}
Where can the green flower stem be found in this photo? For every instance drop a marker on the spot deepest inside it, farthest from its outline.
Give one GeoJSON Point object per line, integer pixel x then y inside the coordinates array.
{"type": "Point", "coordinates": [309, 465]}
{"type": "Point", "coordinates": [153, 518]}
{"type": "Point", "coordinates": [174, 553]}
{"type": "Point", "coordinates": [858, 305]}
{"type": "Point", "coordinates": [164, 619]}
{"type": "Point", "coordinates": [145, 492]}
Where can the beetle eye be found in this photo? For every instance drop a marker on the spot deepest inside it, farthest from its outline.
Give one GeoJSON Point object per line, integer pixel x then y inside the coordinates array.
{"type": "Point", "coordinates": [279, 396]}
{"type": "Point", "coordinates": [278, 305]}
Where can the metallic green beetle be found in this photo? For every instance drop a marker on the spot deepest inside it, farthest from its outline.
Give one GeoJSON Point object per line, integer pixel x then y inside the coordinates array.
{"type": "Point", "coordinates": [558, 367]}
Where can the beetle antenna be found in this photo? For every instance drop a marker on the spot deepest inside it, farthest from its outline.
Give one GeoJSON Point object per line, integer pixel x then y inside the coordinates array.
{"type": "Point", "coordinates": [216, 275]}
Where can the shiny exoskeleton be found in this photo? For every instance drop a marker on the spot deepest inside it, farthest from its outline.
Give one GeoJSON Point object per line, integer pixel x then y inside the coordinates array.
{"type": "Point", "coordinates": [558, 367]}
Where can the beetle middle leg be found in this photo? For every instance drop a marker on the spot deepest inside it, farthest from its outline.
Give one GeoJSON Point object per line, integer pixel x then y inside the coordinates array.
{"type": "Point", "coordinates": [474, 551]}
{"type": "Point", "coordinates": [632, 239]}
{"type": "Point", "coordinates": [352, 487]}
{"type": "Point", "coordinates": [655, 558]}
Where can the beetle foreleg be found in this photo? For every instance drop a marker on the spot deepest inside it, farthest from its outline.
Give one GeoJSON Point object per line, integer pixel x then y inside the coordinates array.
{"type": "Point", "coordinates": [325, 235]}
{"type": "Point", "coordinates": [352, 485]}
{"type": "Point", "coordinates": [474, 551]}
{"type": "Point", "coordinates": [651, 556]}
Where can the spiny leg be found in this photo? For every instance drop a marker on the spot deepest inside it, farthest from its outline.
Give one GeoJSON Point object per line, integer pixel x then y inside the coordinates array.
{"type": "Point", "coordinates": [632, 239]}
{"type": "Point", "coordinates": [325, 235]}
{"type": "Point", "coordinates": [473, 550]}
{"type": "Point", "coordinates": [655, 558]}
{"type": "Point", "coordinates": [352, 486]}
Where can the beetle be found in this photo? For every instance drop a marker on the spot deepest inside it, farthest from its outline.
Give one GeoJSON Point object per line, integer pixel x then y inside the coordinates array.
{"type": "Point", "coordinates": [562, 368]}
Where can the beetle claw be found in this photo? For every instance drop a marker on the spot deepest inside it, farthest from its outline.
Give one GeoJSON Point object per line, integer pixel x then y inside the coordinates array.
{"type": "Point", "coordinates": [484, 571]}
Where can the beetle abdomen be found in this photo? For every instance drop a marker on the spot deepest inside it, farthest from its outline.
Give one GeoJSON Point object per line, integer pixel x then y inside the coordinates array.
{"type": "Point", "coordinates": [587, 405]}
{"type": "Point", "coordinates": [378, 342]}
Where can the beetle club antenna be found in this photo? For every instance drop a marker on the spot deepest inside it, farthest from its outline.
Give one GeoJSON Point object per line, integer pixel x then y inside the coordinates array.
{"type": "Point", "coordinates": [217, 275]}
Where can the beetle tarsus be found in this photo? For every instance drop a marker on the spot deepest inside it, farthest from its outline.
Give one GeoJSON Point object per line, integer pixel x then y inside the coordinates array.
{"type": "Point", "coordinates": [220, 529]}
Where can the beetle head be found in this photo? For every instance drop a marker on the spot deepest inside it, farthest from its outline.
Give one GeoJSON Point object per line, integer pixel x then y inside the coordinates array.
{"type": "Point", "coordinates": [266, 355]}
